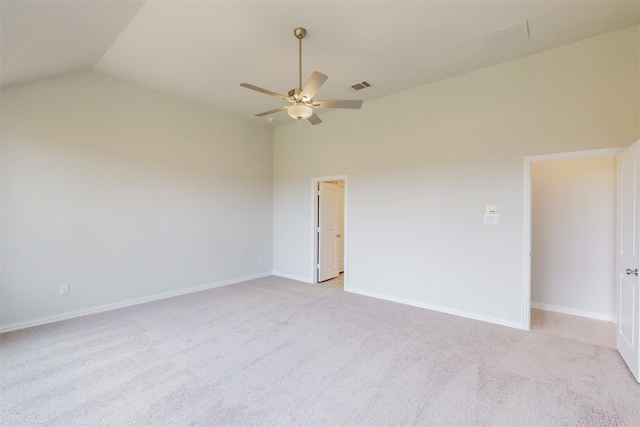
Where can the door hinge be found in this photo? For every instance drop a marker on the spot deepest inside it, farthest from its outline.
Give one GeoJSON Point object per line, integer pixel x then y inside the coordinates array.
{"type": "Point", "coordinates": [318, 193]}
{"type": "Point", "coordinates": [318, 229]}
{"type": "Point", "coordinates": [318, 267]}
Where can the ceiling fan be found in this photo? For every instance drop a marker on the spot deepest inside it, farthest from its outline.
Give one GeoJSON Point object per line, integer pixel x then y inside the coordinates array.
{"type": "Point", "coordinates": [301, 98]}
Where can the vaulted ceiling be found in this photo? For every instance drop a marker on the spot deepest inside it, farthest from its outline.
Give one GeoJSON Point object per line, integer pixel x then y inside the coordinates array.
{"type": "Point", "coordinates": [203, 50]}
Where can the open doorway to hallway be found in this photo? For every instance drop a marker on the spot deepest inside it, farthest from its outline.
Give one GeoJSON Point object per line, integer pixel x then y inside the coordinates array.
{"type": "Point", "coordinates": [573, 235]}
{"type": "Point", "coordinates": [330, 231]}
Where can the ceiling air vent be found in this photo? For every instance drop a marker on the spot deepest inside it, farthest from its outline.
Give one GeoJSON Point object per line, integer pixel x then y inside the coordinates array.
{"type": "Point", "coordinates": [511, 35]}
{"type": "Point", "coordinates": [360, 85]}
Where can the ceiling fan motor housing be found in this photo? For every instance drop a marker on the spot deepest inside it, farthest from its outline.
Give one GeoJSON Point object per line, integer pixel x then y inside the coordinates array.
{"type": "Point", "coordinates": [295, 93]}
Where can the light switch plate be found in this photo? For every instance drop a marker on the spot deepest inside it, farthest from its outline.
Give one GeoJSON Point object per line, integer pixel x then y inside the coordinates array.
{"type": "Point", "coordinates": [492, 210]}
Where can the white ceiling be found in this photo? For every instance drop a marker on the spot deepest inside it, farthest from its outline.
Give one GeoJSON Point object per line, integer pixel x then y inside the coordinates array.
{"type": "Point", "coordinates": [203, 50]}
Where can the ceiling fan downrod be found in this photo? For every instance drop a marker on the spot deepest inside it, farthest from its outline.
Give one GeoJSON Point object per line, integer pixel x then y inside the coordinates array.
{"type": "Point", "coordinates": [300, 32]}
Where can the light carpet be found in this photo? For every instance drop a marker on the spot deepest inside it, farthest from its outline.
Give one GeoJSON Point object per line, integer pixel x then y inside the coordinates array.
{"type": "Point", "coordinates": [278, 352]}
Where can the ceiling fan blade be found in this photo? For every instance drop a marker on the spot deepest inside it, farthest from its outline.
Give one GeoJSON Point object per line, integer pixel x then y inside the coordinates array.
{"type": "Point", "coordinates": [265, 91]}
{"type": "Point", "coordinates": [313, 84]}
{"type": "Point", "coordinates": [339, 103]}
{"type": "Point", "coordinates": [314, 119]}
{"type": "Point", "coordinates": [275, 110]}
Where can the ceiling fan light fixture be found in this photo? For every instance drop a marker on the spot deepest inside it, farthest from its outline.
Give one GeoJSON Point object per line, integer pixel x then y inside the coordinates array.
{"type": "Point", "coordinates": [300, 111]}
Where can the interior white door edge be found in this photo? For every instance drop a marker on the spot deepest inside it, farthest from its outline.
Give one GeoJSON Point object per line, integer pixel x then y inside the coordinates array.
{"type": "Point", "coordinates": [628, 259]}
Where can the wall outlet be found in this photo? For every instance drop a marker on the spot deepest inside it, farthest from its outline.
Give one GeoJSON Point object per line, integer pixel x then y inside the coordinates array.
{"type": "Point", "coordinates": [64, 289]}
{"type": "Point", "coordinates": [259, 260]}
{"type": "Point", "coordinates": [436, 286]}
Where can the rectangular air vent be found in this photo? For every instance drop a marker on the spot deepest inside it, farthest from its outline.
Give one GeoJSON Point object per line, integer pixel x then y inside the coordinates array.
{"type": "Point", "coordinates": [511, 35]}
{"type": "Point", "coordinates": [360, 85]}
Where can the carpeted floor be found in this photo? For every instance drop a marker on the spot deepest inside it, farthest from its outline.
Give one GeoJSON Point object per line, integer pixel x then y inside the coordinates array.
{"type": "Point", "coordinates": [277, 352]}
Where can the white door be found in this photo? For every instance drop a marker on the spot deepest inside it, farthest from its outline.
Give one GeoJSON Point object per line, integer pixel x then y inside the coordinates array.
{"type": "Point", "coordinates": [341, 228]}
{"type": "Point", "coordinates": [328, 240]}
{"type": "Point", "coordinates": [627, 258]}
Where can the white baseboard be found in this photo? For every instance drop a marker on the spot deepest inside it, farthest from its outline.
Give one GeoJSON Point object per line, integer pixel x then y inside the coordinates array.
{"type": "Point", "coordinates": [459, 313]}
{"type": "Point", "coordinates": [127, 303]}
{"type": "Point", "coordinates": [292, 277]}
{"type": "Point", "coordinates": [573, 312]}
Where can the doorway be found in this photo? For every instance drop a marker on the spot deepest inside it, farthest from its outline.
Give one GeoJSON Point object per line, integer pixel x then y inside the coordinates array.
{"type": "Point", "coordinates": [330, 230]}
{"type": "Point", "coordinates": [529, 163]}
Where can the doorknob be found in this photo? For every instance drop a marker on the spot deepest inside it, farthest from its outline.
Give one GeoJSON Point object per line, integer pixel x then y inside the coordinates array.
{"type": "Point", "coordinates": [338, 235]}
{"type": "Point", "coordinates": [630, 271]}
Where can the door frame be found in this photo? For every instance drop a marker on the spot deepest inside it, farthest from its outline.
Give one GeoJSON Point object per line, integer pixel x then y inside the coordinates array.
{"type": "Point", "coordinates": [314, 221]}
{"type": "Point", "coordinates": [527, 213]}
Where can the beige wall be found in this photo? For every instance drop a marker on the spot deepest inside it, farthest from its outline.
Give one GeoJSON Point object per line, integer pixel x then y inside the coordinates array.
{"type": "Point", "coordinates": [423, 164]}
{"type": "Point", "coordinates": [124, 193]}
